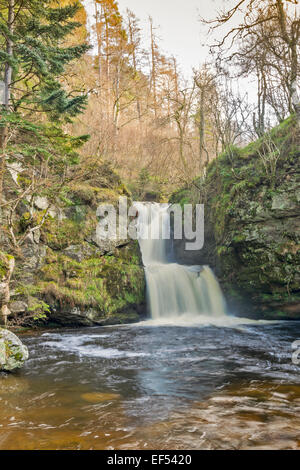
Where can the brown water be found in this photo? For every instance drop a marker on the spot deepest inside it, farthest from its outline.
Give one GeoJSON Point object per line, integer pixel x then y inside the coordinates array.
{"type": "Point", "coordinates": [155, 387]}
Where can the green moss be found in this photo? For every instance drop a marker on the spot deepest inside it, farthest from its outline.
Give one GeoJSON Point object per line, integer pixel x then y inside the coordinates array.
{"type": "Point", "coordinates": [3, 270]}
{"type": "Point", "coordinates": [108, 284]}
{"type": "Point", "coordinates": [222, 250]}
{"type": "Point", "coordinates": [59, 234]}
{"type": "Point", "coordinates": [4, 264]}
{"type": "Point", "coordinates": [123, 190]}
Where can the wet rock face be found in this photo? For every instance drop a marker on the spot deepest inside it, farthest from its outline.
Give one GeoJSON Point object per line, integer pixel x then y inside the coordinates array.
{"type": "Point", "coordinates": [252, 226]}
{"type": "Point", "coordinates": [259, 259]}
{"type": "Point", "coordinates": [13, 353]}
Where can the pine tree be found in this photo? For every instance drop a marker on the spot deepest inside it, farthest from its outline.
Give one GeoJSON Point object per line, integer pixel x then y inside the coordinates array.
{"type": "Point", "coordinates": [33, 58]}
{"type": "Point", "coordinates": [32, 32]}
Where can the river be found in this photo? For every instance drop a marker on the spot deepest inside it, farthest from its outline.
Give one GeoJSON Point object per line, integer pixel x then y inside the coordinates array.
{"type": "Point", "coordinates": [191, 377]}
{"type": "Point", "coordinates": [150, 386]}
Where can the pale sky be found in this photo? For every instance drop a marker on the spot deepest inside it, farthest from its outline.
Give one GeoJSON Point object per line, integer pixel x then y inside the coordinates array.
{"type": "Point", "coordinates": [181, 33]}
{"type": "Point", "coordinates": [180, 30]}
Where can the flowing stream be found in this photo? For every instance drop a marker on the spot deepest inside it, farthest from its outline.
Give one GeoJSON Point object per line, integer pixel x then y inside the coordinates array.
{"type": "Point", "coordinates": [192, 377]}
{"type": "Point", "coordinates": [174, 291]}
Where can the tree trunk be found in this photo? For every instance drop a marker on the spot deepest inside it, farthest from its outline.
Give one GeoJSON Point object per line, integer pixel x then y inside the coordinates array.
{"type": "Point", "coordinates": [201, 128]}
{"type": "Point", "coordinates": [153, 72]}
{"type": "Point", "coordinates": [3, 143]}
{"type": "Point", "coordinates": [116, 108]}
{"type": "Point", "coordinates": [134, 63]}
{"type": "Point", "coordinates": [99, 42]}
{"type": "Point", "coordinates": [294, 91]}
{"type": "Point", "coordinates": [291, 41]}
{"type": "Point", "coordinates": [9, 264]}
{"type": "Point", "coordinates": [7, 86]}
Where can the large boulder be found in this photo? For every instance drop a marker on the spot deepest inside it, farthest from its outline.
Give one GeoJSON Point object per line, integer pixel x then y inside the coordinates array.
{"type": "Point", "coordinates": [13, 353]}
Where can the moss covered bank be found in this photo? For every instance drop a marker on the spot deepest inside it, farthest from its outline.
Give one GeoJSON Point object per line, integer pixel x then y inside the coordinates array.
{"type": "Point", "coordinates": [64, 274]}
{"type": "Point", "coordinates": [252, 224]}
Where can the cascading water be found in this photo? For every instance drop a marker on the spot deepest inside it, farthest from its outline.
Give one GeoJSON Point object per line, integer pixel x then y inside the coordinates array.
{"type": "Point", "coordinates": [174, 290]}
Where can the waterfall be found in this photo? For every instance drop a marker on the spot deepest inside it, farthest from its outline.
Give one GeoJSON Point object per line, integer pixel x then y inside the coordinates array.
{"type": "Point", "coordinates": [173, 290]}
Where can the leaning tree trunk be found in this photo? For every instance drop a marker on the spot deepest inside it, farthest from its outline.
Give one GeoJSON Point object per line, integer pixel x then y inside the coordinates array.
{"type": "Point", "coordinates": [7, 264]}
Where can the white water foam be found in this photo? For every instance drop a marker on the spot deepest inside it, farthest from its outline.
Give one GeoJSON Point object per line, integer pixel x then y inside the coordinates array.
{"type": "Point", "coordinates": [85, 345]}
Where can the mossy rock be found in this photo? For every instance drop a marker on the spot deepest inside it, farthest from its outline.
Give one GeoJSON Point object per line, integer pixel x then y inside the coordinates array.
{"type": "Point", "coordinates": [13, 353]}
{"type": "Point", "coordinates": [96, 287]}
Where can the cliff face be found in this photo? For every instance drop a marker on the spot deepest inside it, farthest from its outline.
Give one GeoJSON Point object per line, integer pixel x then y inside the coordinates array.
{"type": "Point", "coordinates": [252, 206]}
{"type": "Point", "coordinates": [63, 272]}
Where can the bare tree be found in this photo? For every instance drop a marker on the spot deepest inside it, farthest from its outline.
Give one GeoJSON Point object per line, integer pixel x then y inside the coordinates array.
{"type": "Point", "coordinates": [182, 102]}
{"type": "Point", "coordinates": [204, 80]}
{"type": "Point", "coordinates": [280, 25]}
{"type": "Point", "coordinates": [231, 115]}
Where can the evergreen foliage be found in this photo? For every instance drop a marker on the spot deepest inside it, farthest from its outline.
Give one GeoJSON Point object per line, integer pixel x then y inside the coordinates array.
{"type": "Point", "coordinates": [39, 57]}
